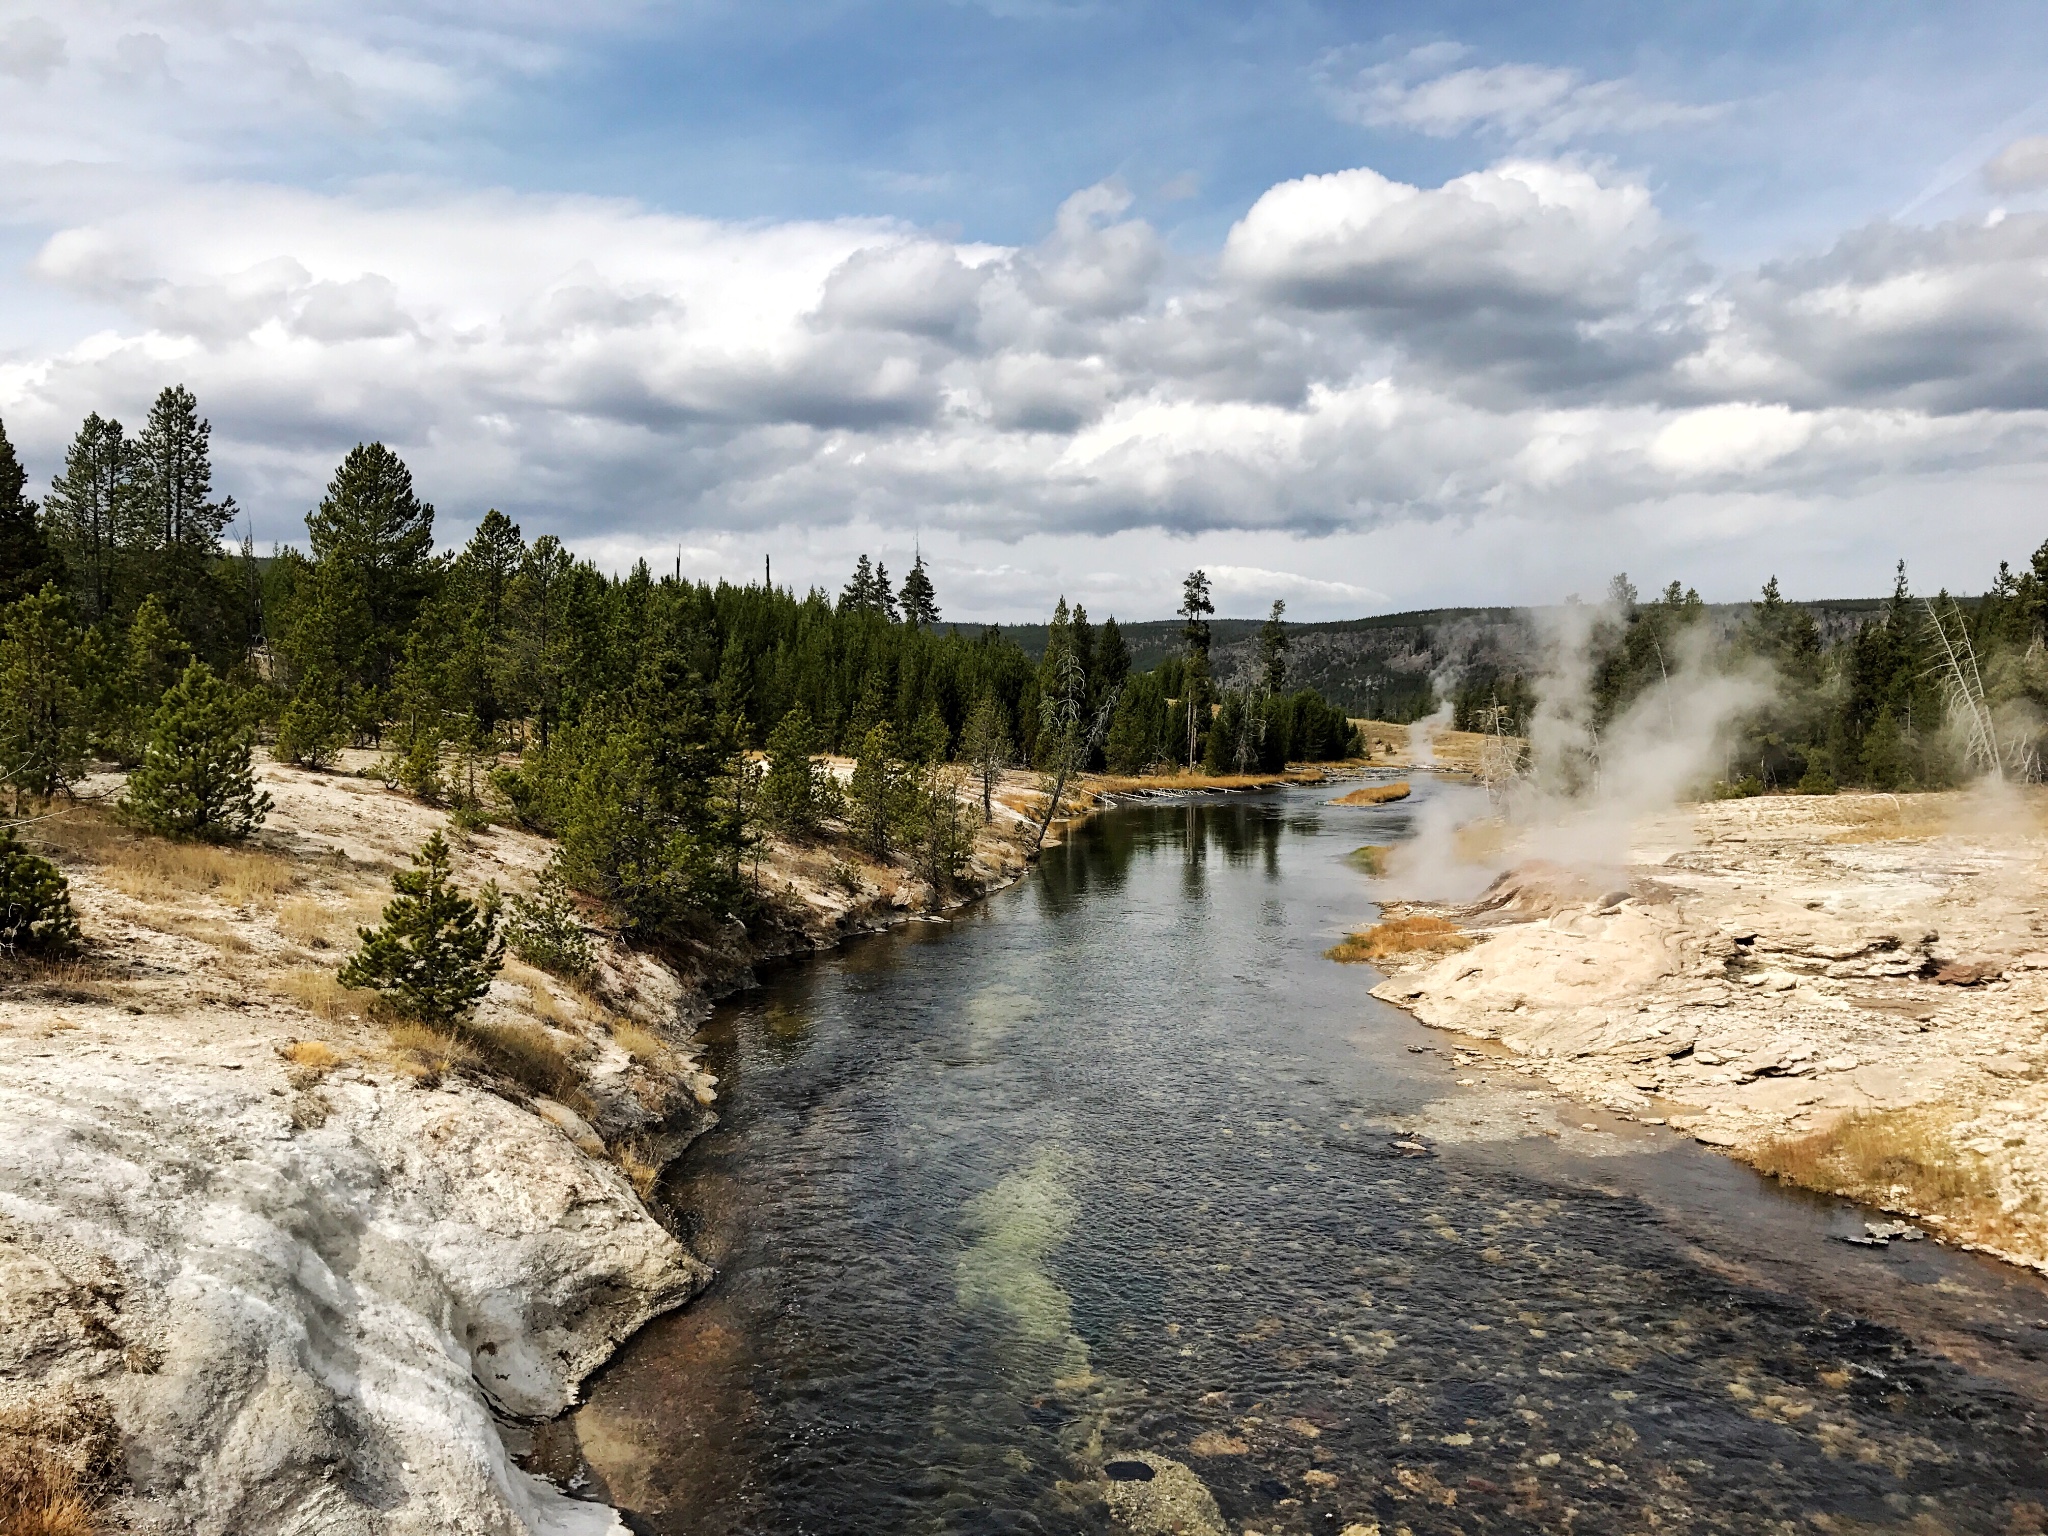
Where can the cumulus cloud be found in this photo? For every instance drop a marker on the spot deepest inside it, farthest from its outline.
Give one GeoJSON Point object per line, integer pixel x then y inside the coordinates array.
{"type": "Point", "coordinates": [1535, 269]}
{"type": "Point", "coordinates": [1471, 373]}
{"type": "Point", "coordinates": [1532, 105]}
{"type": "Point", "coordinates": [1945, 319]}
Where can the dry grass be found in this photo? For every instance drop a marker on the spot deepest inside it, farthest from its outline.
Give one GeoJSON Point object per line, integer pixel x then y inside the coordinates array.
{"type": "Point", "coordinates": [432, 1053]}
{"type": "Point", "coordinates": [329, 921]}
{"type": "Point", "coordinates": [320, 994]}
{"type": "Point", "coordinates": [152, 869]}
{"type": "Point", "coordinates": [206, 930]}
{"type": "Point", "coordinates": [1889, 818]}
{"type": "Point", "coordinates": [57, 1466]}
{"type": "Point", "coordinates": [1375, 794]}
{"type": "Point", "coordinates": [540, 994]}
{"type": "Point", "coordinates": [528, 1055]}
{"type": "Point", "coordinates": [641, 1170]}
{"type": "Point", "coordinates": [310, 1061]}
{"type": "Point", "coordinates": [643, 1045]}
{"type": "Point", "coordinates": [1401, 936]}
{"type": "Point", "coordinates": [1903, 1160]}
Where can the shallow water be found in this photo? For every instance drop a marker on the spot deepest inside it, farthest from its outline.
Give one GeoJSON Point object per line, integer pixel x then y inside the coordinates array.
{"type": "Point", "coordinates": [1109, 1166]}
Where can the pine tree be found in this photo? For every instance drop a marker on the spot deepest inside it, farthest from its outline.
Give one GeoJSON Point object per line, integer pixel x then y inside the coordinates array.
{"type": "Point", "coordinates": [152, 660]}
{"type": "Point", "coordinates": [196, 778]}
{"type": "Point", "coordinates": [858, 595]}
{"type": "Point", "coordinates": [90, 514]}
{"type": "Point", "coordinates": [1196, 607]}
{"type": "Point", "coordinates": [874, 790]}
{"type": "Point", "coordinates": [174, 489]}
{"type": "Point", "coordinates": [542, 638]}
{"type": "Point", "coordinates": [314, 727]}
{"type": "Point", "coordinates": [791, 792]}
{"type": "Point", "coordinates": [436, 951]}
{"type": "Point", "coordinates": [42, 711]}
{"type": "Point", "coordinates": [920, 600]}
{"type": "Point", "coordinates": [546, 930]}
{"type": "Point", "coordinates": [480, 589]}
{"type": "Point", "coordinates": [372, 540]}
{"type": "Point", "coordinates": [28, 561]}
{"type": "Point", "coordinates": [1273, 648]}
{"type": "Point", "coordinates": [35, 904]}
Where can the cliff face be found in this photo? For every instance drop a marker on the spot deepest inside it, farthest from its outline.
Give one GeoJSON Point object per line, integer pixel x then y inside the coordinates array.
{"type": "Point", "coordinates": [296, 1260]}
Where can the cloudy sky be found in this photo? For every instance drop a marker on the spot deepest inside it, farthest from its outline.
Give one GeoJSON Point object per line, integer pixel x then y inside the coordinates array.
{"type": "Point", "coordinates": [1366, 306]}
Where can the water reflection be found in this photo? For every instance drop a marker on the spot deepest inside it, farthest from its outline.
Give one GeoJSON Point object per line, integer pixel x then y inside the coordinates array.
{"type": "Point", "coordinates": [1118, 1166]}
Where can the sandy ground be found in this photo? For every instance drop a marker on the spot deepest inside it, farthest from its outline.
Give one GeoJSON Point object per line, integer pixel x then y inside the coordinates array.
{"type": "Point", "coordinates": [1849, 990]}
{"type": "Point", "coordinates": [307, 1262]}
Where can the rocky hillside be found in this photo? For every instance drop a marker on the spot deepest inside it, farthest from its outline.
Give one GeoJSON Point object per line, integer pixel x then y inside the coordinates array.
{"type": "Point", "coordinates": [271, 1259]}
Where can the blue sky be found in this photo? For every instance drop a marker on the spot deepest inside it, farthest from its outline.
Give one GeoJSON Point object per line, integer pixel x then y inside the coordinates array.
{"type": "Point", "coordinates": [1366, 306]}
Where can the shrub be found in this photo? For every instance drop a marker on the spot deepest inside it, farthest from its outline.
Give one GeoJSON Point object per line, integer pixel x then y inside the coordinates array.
{"type": "Point", "coordinates": [436, 951]}
{"type": "Point", "coordinates": [546, 930]}
{"type": "Point", "coordinates": [35, 904]}
{"type": "Point", "coordinates": [195, 779]}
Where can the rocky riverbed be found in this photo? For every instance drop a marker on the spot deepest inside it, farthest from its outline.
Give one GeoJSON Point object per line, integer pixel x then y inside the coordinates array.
{"type": "Point", "coordinates": [269, 1262]}
{"type": "Point", "coordinates": [1851, 991]}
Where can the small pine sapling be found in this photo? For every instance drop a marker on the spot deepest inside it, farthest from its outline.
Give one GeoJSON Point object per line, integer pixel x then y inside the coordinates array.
{"type": "Point", "coordinates": [195, 779]}
{"type": "Point", "coordinates": [35, 904]}
{"type": "Point", "coordinates": [546, 930]}
{"type": "Point", "coordinates": [436, 951]}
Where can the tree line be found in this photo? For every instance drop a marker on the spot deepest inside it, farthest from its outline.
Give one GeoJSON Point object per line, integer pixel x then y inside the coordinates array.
{"type": "Point", "coordinates": [625, 715]}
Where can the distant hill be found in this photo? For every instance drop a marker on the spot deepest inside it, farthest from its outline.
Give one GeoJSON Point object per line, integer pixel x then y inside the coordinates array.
{"type": "Point", "coordinates": [1388, 667]}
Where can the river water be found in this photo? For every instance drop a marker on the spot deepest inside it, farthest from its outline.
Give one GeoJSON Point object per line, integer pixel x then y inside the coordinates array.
{"type": "Point", "coordinates": [1116, 1165]}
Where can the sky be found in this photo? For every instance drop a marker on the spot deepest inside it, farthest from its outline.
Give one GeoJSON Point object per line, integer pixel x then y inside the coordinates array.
{"type": "Point", "coordinates": [1366, 307]}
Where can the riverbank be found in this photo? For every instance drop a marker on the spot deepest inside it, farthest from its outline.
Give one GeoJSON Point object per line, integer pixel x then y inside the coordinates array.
{"type": "Point", "coordinates": [1847, 991]}
{"type": "Point", "coordinates": [269, 1261]}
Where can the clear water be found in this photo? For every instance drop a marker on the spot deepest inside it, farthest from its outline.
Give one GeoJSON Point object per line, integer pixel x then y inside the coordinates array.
{"type": "Point", "coordinates": [1109, 1164]}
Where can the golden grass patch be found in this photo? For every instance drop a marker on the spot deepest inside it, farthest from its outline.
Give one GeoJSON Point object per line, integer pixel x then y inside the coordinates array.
{"type": "Point", "coordinates": [640, 1167]}
{"type": "Point", "coordinates": [643, 1045]}
{"type": "Point", "coordinates": [321, 994]}
{"type": "Point", "coordinates": [1889, 818]}
{"type": "Point", "coordinates": [1902, 1159]}
{"type": "Point", "coordinates": [1375, 794]}
{"type": "Point", "coordinates": [429, 1052]}
{"type": "Point", "coordinates": [152, 870]}
{"type": "Point", "coordinates": [328, 921]}
{"type": "Point", "coordinates": [58, 1462]}
{"type": "Point", "coordinates": [206, 930]}
{"type": "Point", "coordinates": [1401, 936]}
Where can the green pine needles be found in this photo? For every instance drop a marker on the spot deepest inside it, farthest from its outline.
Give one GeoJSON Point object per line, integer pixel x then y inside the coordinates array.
{"type": "Point", "coordinates": [436, 951]}
{"type": "Point", "coordinates": [195, 779]}
{"type": "Point", "coordinates": [546, 930]}
{"type": "Point", "coordinates": [35, 904]}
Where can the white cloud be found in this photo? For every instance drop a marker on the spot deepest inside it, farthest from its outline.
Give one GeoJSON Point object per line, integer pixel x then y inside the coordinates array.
{"type": "Point", "coordinates": [1533, 105]}
{"type": "Point", "coordinates": [1371, 387]}
{"type": "Point", "coordinates": [2022, 166]}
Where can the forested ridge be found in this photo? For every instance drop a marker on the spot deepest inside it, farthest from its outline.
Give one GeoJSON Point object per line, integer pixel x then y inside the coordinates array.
{"type": "Point", "coordinates": [625, 715]}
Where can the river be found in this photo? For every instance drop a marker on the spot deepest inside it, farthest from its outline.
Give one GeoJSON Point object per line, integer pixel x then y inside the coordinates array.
{"type": "Point", "coordinates": [1115, 1165]}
